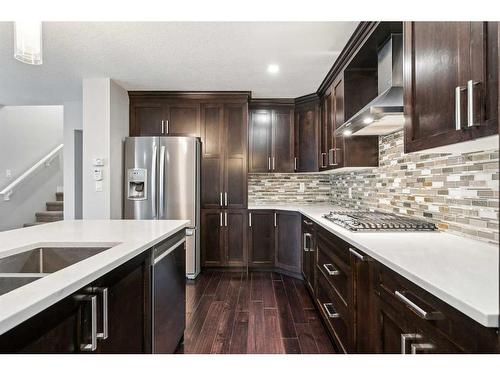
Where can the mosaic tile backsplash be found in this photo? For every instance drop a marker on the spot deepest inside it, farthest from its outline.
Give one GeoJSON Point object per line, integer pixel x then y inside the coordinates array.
{"type": "Point", "coordinates": [269, 188]}
{"type": "Point", "coordinates": [457, 192]}
{"type": "Point", "coordinates": [460, 193]}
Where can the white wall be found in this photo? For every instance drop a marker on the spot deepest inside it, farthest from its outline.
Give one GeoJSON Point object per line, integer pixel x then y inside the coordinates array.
{"type": "Point", "coordinates": [105, 124]}
{"type": "Point", "coordinates": [72, 121]}
{"type": "Point", "coordinates": [28, 133]}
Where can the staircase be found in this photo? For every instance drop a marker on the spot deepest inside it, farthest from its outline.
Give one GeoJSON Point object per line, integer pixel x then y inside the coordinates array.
{"type": "Point", "coordinates": [54, 212]}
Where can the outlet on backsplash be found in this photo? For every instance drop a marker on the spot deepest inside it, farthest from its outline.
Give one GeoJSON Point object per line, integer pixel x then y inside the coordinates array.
{"type": "Point", "coordinates": [302, 187]}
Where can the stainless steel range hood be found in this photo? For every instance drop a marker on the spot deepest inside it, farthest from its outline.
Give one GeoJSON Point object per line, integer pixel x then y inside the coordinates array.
{"type": "Point", "coordinates": [384, 114]}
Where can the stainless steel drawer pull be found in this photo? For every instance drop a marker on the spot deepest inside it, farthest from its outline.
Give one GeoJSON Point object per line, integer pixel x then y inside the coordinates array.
{"type": "Point", "coordinates": [225, 198]}
{"type": "Point", "coordinates": [268, 164]}
{"type": "Point", "coordinates": [167, 128]}
{"type": "Point", "coordinates": [458, 107]}
{"type": "Point", "coordinates": [330, 311]}
{"type": "Point", "coordinates": [92, 299]}
{"type": "Point", "coordinates": [405, 338]}
{"type": "Point", "coordinates": [225, 219]}
{"type": "Point", "coordinates": [307, 236]}
{"type": "Point", "coordinates": [104, 295]}
{"type": "Point", "coordinates": [421, 348]}
{"type": "Point", "coordinates": [220, 217]}
{"type": "Point", "coordinates": [220, 199]}
{"type": "Point", "coordinates": [330, 268]}
{"type": "Point", "coordinates": [470, 103]}
{"type": "Point", "coordinates": [275, 220]}
{"type": "Point", "coordinates": [250, 219]}
{"type": "Point", "coordinates": [162, 126]}
{"type": "Point", "coordinates": [357, 255]}
{"type": "Point", "coordinates": [307, 222]}
{"type": "Point", "coordinates": [433, 315]}
{"type": "Point", "coordinates": [294, 164]}
{"type": "Point", "coordinates": [273, 163]}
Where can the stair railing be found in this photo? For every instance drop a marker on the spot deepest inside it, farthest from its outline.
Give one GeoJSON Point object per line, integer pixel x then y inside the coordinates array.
{"type": "Point", "coordinates": [43, 162]}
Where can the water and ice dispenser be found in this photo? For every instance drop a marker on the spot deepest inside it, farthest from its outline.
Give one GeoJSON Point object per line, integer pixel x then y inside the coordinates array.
{"type": "Point", "coordinates": [137, 184]}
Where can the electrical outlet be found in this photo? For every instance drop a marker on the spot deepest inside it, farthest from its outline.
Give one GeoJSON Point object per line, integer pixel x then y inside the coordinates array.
{"type": "Point", "coordinates": [350, 193]}
{"type": "Point", "coordinates": [302, 187]}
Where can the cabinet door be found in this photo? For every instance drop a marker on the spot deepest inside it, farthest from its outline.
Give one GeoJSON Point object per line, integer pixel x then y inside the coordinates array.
{"type": "Point", "coordinates": [306, 138]}
{"type": "Point", "coordinates": [336, 155]}
{"type": "Point", "coordinates": [54, 330]}
{"type": "Point", "coordinates": [212, 126]}
{"type": "Point", "coordinates": [390, 331]}
{"type": "Point", "coordinates": [146, 117]}
{"type": "Point", "coordinates": [236, 237]}
{"type": "Point", "coordinates": [288, 241]}
{"type": "Point", "coordinates": [283, 155]}
{"type": "Point", "coordinates": [184, 118]}
{"type": "Point", "coordinates": [235, 140]}
{"type": "Point", "coordinates": [128, 299]}
{"type": "Point", "coordinates": [212, 247]}
{"type": "Point", "coordinates": [328, 118]}
{"type": "Point", "coordinates": [261, 239]}
{"type": "Point", "coordinates": [439, 58]}
{"type": "Point", "coordinates": [260, 150]}
{"type": "Point", "coordinates": [484, 71]}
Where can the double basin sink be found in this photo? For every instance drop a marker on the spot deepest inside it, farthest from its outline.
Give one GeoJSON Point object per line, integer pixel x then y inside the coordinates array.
{"type": "Point", "coordinates": [25, 267]}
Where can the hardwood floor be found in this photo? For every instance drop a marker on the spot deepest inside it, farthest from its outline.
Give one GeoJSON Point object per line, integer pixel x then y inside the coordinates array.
{"type": "Point", "coordinates": [264, 312]}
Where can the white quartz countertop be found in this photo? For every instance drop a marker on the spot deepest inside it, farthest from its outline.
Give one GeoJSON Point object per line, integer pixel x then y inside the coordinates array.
{"type": "Point", "coordinates": [127, 238]}
{"type": "Point", "coordinates": [462, 272]}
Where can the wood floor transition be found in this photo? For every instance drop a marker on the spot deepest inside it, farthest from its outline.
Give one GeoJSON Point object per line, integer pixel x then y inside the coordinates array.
{"type": "Point", "coordinates": [258, 313]}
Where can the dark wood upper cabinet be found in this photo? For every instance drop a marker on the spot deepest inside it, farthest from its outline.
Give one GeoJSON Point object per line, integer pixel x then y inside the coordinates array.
{"type": "Point", "coordinates": [307, 155]}
{"type": "Point", "coordinates": [335, 153]}
{"type": "Point", "coordinates": [235, 165]}
{"type": "Point", "coordinates": [147, 117]}
{"type": "Point", "coordinates": [450, 82]}
{"type": "Point", "coordinates": [271, 143]}
{"type": "Point", "coordinates": [261, 239]}
{"type": "Point", "coordinates": [212, 160]}
{"type": "Point", "coordinates": [260, 142]}
{"type": "Point", "coordinates": [183, 118]}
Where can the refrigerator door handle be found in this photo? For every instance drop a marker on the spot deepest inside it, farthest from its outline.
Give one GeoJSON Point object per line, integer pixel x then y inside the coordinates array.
{"type": "Point", "coordinates": [162, 183]}
{"type": "Point", "coordinates": [153, 180]}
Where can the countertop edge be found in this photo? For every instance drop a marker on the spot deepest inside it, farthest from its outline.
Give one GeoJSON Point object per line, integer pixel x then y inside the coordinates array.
{"type": "Point", "coordinates": [27, 312]}
{"type": "Point", "coordinates": [489, 320]}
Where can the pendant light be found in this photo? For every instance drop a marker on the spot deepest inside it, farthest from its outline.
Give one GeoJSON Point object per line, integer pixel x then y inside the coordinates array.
{"type": "Point", "coordinates": [28, 42]}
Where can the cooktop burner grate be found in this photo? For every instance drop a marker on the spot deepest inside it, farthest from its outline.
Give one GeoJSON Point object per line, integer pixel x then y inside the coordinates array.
{"type": "Point", "coordinates": [377, 221]}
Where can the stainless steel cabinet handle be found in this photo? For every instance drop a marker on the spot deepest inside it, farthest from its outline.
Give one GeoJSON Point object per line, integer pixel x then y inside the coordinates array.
{"type": "Point", "coordinates": [153, 181]}
{"type": "Point", "coordinates": [225, 199]}
{"type": "Point", "coordinates": [275, 220]}
{"type": "Point", "coordinates": [330, 311]}
{"type": "Point", "coordinates": [357, 255]}
{"type": "Point", "coordinates": [330, 268]}
{"type": "Point", "coordinates": [250, 219]}
{"type": "Point", "coordinates": [307, 222]}
{"type": "Point", "coordinates": [104, 296]}
{"type": "Point", "coordinates": [405, 337]}
{"type": "Point", "coordinates": [331, 157]}
{"type": "Point", "coordinates": [92, 299]}
{"type": "Point", "coordinates": [470, 102]}
{"type": "Point", "coordinates": [269, 164]}
{"type": "Point", "coordinates": [220, 199]}
{"type": "Point", "coordinates": [323, 158]}
{"type": "Point", "coordinates": [306, 236]}
{"type": "Point", "coordinates": [162, 126]}
{"type": "Point", "coordinates": [424, 347]}
{"type": "Point", "coordinates": [294, 164]}
{"type": "Point", "coordinates": [273, 163]}
{"type": "Point", "coordinates": [225, 219]}
{"type": "Point", "coordinates": [167, 127]}
{"type": "Point", "coordinates": [220, 218]}
{"type": "Point", "coordinates": [433, 315]}
{"type": "Point", "coordinates": [162, 183]}
{"type": "Point", "coordinates": [458, 102]}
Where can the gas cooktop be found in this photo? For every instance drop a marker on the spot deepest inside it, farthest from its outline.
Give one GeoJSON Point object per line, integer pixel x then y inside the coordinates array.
{"type": "Point", "coordinates": [358, 221]}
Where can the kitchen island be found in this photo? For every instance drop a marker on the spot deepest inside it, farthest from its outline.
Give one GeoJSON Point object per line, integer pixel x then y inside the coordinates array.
{"type": "Point", "coordinates": [78, 307]}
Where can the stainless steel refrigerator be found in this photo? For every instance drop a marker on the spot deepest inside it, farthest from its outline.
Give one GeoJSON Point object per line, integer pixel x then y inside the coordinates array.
{"type": "Point", "coordinates": [162, 182]}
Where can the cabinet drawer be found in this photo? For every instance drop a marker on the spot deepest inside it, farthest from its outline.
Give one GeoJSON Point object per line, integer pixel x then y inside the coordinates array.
{"type": "Point", "coordinates": [333, 269]}
{"type": "Point", "coordinates": [334, 312]}
{"type": "Point", "coordinates": [433, 317]}
{"type": "Point", "coordinates": [335, 248]}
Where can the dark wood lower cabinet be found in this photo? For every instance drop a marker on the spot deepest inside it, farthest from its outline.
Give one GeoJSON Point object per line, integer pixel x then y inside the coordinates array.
{"type": "Point", "coordinates": [288, 249]}
{"type": "Point", "coordinates": [261, 239]}
{"type": "Point", "coordinates": [223, 238]}
{"type": "Point", "coordinates": [308, 253]}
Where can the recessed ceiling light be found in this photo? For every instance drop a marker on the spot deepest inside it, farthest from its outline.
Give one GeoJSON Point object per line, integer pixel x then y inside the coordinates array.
{"type": "Point", "coordinates": [28, 42]}
{"type": "Point", "coordinates": [273, 68]}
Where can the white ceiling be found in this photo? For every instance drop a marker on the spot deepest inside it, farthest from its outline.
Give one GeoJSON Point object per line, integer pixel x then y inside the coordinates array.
{"type": "Point", "coordinates": [173, 56]}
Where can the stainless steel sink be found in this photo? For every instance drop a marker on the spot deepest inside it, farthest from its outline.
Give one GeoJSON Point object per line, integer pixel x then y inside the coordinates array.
{"type": "Point", "coordinates": [30, 265]}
